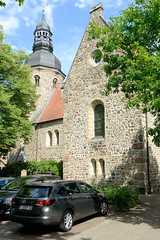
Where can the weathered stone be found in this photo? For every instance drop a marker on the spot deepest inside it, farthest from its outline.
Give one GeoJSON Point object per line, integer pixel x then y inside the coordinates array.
{"type": "Point", "coordinates": [139, 176]}
{"type": "Point", "coordinates": [138, 146]}
{"type": "Point", "coordinates": [140, 160]}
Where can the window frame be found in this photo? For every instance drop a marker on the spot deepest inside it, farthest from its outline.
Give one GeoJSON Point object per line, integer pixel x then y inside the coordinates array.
{"type": "Point", "coordinates": [99, 125]}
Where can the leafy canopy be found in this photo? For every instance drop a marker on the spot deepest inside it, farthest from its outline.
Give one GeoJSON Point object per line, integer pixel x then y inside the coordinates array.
{"type": "Point", "coordinates": [17, 96]}
{"type": "Point", "coordinates": [131, 52]}
{"type": "Point", "coordinates": [3, 4]}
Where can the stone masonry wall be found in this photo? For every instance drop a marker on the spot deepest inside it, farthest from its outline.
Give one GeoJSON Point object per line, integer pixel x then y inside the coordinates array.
{"type": "Point", "coordinates": [37, 148]}
{"type": "Point", "coordinates": [123, 148]}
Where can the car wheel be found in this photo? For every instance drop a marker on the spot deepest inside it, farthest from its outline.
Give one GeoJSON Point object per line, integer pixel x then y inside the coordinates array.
{"type": "Point", "coordinates": [26, 225]}
{"type": "Point", "coordinates": [103, 208]}
{"type": "Point", "coordinates": [66, 221]}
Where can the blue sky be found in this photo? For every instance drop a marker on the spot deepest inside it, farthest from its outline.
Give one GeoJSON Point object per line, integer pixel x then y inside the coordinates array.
{"type": "Point", "coordinates": [68, 20]}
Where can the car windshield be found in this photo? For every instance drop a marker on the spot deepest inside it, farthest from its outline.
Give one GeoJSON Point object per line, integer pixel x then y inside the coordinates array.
{"type": "Point", "coordinates": [17, 183]}
{"type": "Point", "coordinates": [34, 192]}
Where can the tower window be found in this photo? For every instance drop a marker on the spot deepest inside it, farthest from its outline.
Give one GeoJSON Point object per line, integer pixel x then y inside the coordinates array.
{"type": "Point", "coordinates": [55, 80]}
{"type": "Point", "coordinates": [99, 121]}
{"type": "Point", "coordinates": [37, 80]}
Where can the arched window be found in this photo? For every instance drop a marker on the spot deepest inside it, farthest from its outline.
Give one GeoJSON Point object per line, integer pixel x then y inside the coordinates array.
{"type": "Point", "coordinates": [57, 137]}
{"type": "Point", "coordinates": [37, 80]}
{"type": "Point", "coordinates": [99, 121]}
{"type": "Point", "coordinates": [49, 139]}
{"type": "Point", "coordinates": [55, 81]}
{"type": "Point", "coordinates": [93, 168]}
{"type": "Point", "coordinates": [102, 167]}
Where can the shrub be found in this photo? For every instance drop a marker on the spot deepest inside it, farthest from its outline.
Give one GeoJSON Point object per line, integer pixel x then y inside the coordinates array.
{"type": "Point", "coordinates": [123, 198]}
{"type": "Point", "coordinates": [110, 192]}
{"type": "Point", "coordinates": [32, 167]}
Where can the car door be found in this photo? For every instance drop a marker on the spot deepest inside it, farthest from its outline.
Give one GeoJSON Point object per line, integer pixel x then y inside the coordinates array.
{"type": "Point", "coordinates": [73, 196]}
{"type": "Point", "coordinates": [87, 204]}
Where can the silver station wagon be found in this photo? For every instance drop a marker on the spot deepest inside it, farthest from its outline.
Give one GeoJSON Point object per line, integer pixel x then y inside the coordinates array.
{"type": "Point", "coordinates": [56, 203]}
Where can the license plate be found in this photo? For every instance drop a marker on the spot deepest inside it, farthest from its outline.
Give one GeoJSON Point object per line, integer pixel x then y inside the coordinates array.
{"type": "Point", "coordinates": [25, 207]}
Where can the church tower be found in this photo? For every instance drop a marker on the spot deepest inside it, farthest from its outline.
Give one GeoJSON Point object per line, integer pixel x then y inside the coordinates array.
{"type": "Point", "coordinates": [47, 74]}
{"type": "Point", "coordinates": [47, 119]}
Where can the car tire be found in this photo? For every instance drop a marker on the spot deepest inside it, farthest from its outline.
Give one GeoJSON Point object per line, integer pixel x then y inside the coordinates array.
{"type": "Point", "coordinates": [103, 208]}
{"type": "Point", "coordinates": [66, 221]}
{"type": "Point", "coordinates": [26, 225]}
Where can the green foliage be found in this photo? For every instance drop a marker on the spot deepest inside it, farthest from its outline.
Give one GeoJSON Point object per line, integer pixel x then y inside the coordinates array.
{"type": "Point", "coordinates": [130, 45]}
{"type": "Point", "coordinates": [3, 4]}
{"type": "Point", "coordinates": [18, 96]}
{"type": "Point", "coordinates": [110, 192]}
{"type": "Point", "coordinates": [32, 167]}
{"type": "Point", "coordinates": [123, 198]}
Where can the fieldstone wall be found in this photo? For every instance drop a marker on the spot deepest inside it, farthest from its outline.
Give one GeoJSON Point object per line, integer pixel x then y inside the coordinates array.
{"type": "Point", "coordinates": [37, 149]}
{"type": "Point", "coordinates": [123, 148]}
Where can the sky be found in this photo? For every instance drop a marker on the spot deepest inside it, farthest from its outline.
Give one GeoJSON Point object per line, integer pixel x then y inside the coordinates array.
{"type": "Point", "coordinates": [68, 20]}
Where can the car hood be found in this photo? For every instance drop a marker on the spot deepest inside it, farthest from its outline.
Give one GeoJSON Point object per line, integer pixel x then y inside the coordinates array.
{"type": "Point", "coordinates": [7, 194]}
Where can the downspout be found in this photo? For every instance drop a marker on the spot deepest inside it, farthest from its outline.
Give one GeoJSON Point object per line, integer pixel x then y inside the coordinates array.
{"type": "Point", "coordinates": [147, 155]}
{"type": "Point", "coordinates": [36, 128]}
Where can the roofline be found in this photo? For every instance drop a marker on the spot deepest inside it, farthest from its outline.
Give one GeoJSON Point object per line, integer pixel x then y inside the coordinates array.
{"type": "Point", "coordinates": [48, 120]}
{"type": "Point", "coordinates": [51, 68]}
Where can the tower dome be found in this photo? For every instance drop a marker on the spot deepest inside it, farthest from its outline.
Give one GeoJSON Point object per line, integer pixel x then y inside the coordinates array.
{"type": "Point", "coordinates": [42, 55]}
{"type": "Point", "coordinates": [42, 24]}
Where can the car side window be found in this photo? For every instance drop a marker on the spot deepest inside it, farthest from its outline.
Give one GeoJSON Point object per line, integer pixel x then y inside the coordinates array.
{"type": "Point", "coordinates": [71, 188]}
{"type": "Point", "coordinates": [86, 188]}
{"type": "Point", "coordinates": [62, 191]}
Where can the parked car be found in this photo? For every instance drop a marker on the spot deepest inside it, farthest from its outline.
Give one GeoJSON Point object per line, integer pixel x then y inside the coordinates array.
{"type": "Point", "coordinates": [57, 203]}
{"type": "Point", "coordinates": [8, 191]}
{"type": "Point", "coordinates": [5, 180]}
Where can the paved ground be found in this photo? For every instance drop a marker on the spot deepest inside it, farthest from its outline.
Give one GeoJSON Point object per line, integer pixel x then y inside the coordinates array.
{"type": "Point", "coordinates": [141, 223]}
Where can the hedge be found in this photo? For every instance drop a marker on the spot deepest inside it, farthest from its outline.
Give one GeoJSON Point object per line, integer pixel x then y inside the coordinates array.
{"type": "Point", "coordinates": [32, 167]}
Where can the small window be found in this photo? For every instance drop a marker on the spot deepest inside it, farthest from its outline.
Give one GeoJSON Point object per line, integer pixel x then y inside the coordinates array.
{"type": "Point", "coordinates": [93, 168]}
{"type": "Point", "coordinates": [102, 165]}
{"type": "Point", "coordinates": [57, 137]}
{"type": "Point", "coordinates": [96, 55]}
{"type": "Point", "coordinates": [37, 80]}
{"type": "Point", "coordinates": [99, 120]}
{"type": "Point", "coordinates": [49, 139]}
{"type": "Point", "coordinates": [55, 81]}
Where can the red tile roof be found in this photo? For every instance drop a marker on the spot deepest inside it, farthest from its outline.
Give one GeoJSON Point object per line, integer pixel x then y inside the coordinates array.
{"type": "Point", "coordinates": [54, 108]}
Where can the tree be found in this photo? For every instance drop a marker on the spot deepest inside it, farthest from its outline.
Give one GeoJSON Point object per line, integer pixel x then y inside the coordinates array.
{"type": "Point", "coordinates": [3, 4]}
{"type": "Point", "coordinates": [131, 52]}
{"type": "Point", "coordinates": [17, 96]}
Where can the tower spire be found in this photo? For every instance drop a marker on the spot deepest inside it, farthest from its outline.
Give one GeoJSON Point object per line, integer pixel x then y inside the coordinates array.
{"type": "Point", "coordinates": [43, 9]}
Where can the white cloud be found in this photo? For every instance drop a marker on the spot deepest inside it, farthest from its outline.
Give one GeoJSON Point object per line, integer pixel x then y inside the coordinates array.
{"type": "Point", "coordinates": [10, 24]}
{"type": "Point", "coordinates": [107, 3]}
{"type": "Point", "coordinates": [12, 15]}
{"type": "Point", "coordinates": [14, 47]}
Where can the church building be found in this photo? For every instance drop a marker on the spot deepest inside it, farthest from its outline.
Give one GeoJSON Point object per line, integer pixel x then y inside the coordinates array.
{"type": "Point", "coordinates": [97, 138]}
